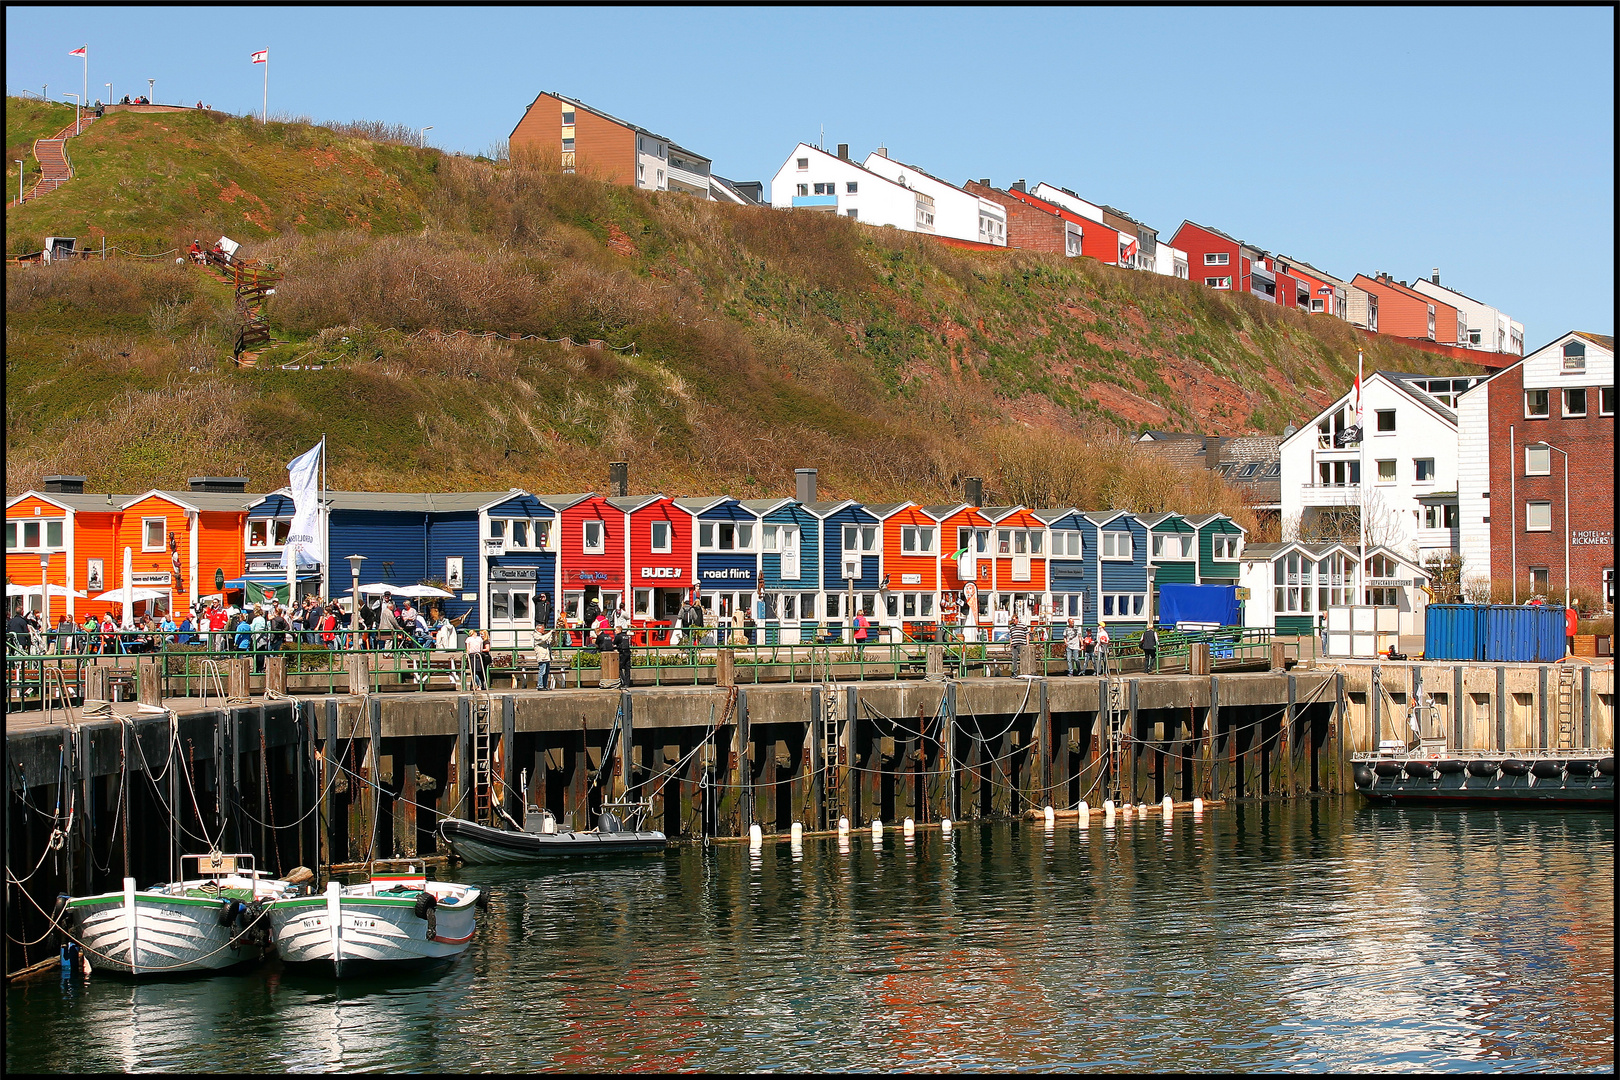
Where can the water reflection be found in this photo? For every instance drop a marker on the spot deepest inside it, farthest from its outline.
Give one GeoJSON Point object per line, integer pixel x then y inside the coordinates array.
{"type": "Point", "coordinates": [1320, 935]}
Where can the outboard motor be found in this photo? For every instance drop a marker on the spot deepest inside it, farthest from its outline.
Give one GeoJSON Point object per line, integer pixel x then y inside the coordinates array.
{"type": "Point", "coordinates": [607, 823]}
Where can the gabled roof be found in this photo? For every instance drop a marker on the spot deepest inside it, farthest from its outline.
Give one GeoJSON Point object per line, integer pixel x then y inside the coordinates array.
{"type": "Point", "coordinates": [883, 510]}
{"type": "Point", "coordinates": [941, 511]}
{"type": "Point", "coordinates": [673, 145]}
{"type": "Point", "coordinates": [1056, 209]}
{"type": "Point", "coordinates": [827, 508]}
{"type": "Point", "coordinates": [1201, 520]}
{"type": "Point", "coordinates": [847, 161]}
{"type": "Point", "coordinates": [1057, 513]}
{"type": "Point", "coordinates": [1605, 341]}
{"type": "Point", "coordinates": [1153, 521]}
{"type": "Point", "coordinates": [922, 172]}
{"type": "Point", "coordinates": [629, 504]}
{"type": "Point", "coordinates": [994, 514]}
{"type": "Point", "coordinates": [1122, 214]}
{"type": "Point", "coordinates": [212, 501]}
{"type": "Point", "coordinates": [560, 503]}
{"type": "Point", "coordinates": [1103, 517]}
{"type": "Point", "coordinates": [79, 504]}
{"type": "Point", "coordinates": [388, 501]}
{"type": "Point", "coordinates": [698, 504]}
{"type": "Point", "coordinates": [1224, 236]}
{"type": "Point", "coordinates": [1308, 268]}
{"type": "Point", "coordinates": [761, 507]}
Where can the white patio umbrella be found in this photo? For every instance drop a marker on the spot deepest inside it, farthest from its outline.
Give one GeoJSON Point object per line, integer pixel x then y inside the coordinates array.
{"type": "Point", "coordinates": [16, 590]}
{"type": "Point", "coordinates": [378, 589]}
{"type": "Point", "coordinates": [422, 591]}
{"type": "Point", "coordinates": [135, 595]}
{"type": "Point", "coordinates": [33, 590]}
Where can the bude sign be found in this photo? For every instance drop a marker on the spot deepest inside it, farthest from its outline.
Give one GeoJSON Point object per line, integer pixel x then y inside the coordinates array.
{"type": "Point", "coordinates": [661, 571]}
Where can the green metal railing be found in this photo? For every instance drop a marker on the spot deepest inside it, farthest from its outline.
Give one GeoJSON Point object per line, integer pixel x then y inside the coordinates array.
{"type": "Point", "coordinates": [196, 670]}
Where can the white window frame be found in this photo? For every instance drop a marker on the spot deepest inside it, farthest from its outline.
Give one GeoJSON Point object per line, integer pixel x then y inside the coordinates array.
{"type": "Point", "coordinates": [1379, 471]}
{"type": "Point", "coordinates": [1580, 364]}
{"type": "Point", "coordinates": [272, 527]}
{"type": "Point", "coordinates": [803, 164]}
{"type": "Point", "coordinates": [163, 533]}
{"type": "Point", "coordinates": [1545, 507]}
{"type": "Point", "coordinates": [1217, 258]}
{"type": "Point", "coordinates": [1378, 422]}
{"type": "Point", "coordinates": [1219, 282]}
{"type": "Point", "coordinates": [1063, 539]}
{"type": "Point", "coordinates": [668, 545]}
{"type": "Point", "coordinates": [1545, 455]}
{"type": "Point", "coordinates": [1546, 411]}
{"type": "Point", "coordinates": [42, 534]}
{"type": "Point", "coordinates": [1225, 547]}
{"type": "Point", "coordinates": [1605, 400]}
{"type": "Point", "coordinates": [586, 528]}
{"type": "Point", "coordinates": [1111, 539]}
{"type": "Point", "coordinates": [1417, 471]}
{"type": "Point", "coordinates": [1123, 605]}
{"type": "Point", "coordinates": [1565, 412]}
{"type": "Point", "coordinates": [454, 572]}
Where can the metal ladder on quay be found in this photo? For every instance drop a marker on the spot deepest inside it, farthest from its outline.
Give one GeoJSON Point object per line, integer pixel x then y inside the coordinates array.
{"type": "Point", "coordinates": [1119, 718]}
{"type": "Point", "coordinates": [1565, 738]}
{"type": "Point", "coordinates": [482, 764]}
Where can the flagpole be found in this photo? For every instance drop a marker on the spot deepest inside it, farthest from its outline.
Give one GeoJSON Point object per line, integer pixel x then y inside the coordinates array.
{"type": "Point", "coordinates": [86, 90]}
{"type": "Point", "coordinates": [1361, 488]}
{"type": "Point", "coordinates": [321, 523]}
{"type": "Point", "coordinates": [264, 118]}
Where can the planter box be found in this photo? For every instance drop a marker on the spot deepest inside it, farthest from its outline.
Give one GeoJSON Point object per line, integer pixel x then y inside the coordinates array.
{"type": "Point", "coordinates": [1585, 645]}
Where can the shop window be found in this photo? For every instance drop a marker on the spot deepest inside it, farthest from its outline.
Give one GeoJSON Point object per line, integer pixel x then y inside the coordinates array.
{"type": "Point", "coordinates": [1536, 404]}
{"type": "Point", "coordinates": [1575, 401]}
{"type": "Point", "coordinates": [1538, 516]}
{"type": "Point", "coordinates": [152, 530]}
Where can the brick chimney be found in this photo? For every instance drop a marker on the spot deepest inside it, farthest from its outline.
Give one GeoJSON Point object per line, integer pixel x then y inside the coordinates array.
{"type": "Point", "coordinates": [843, 151]}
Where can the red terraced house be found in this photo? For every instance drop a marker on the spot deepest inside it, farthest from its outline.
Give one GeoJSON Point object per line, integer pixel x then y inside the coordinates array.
{"type": "Point", "coordinates": [590, 555]}
{"type": "Point", "coordinates": [1225, 262]}
{"type": "Point", "coordinates": [1037, 225]}
{"type": "Point", "coordinates": [658, 564]}
{"type": "Point", "coordinates": [1405, 312]}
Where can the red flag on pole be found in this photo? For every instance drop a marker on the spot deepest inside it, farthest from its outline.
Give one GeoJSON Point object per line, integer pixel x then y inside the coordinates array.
{"type": "Point", "coordinates": [80, 51]}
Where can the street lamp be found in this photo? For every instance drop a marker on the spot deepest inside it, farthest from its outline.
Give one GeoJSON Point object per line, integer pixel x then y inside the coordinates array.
{"type": "Point", "coordinates": [354, 572]}
{"type": "Point", "coordinates": [1555, 450]}
{"type": "Point", "coordinates": [421, 137]}
{"type": "Point", "coordinates": [109, 92]}
{"type": "Point", "coordinates": [150, 85]}
{"type": "Point", "coordinates": [21, 167]}
{"type": "Point", "coordinates": [77, 103]}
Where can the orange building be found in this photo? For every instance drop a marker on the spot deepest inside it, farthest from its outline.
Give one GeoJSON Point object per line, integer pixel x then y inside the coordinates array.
{"type": "Point", "coordinates": [1018, 547]}
{"type": "Point", "coordinates": [572, 135]}
{"type": "Point", "coordinates": [1405, 312]}
{"type": "Point", "coordinates": [75, 533]}
{"type": "Point", "coordinates": [911, 553]}
{"type": "Point", "coordinates": [181, 542]}
{"type": "Point", "coordinates": [965, 534]}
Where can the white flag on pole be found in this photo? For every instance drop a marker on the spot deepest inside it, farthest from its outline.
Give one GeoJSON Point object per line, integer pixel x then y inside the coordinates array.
{"type": "Point", "coordinates": [262, 56]}
{"type": "Point", "coordinates": [305, 544]}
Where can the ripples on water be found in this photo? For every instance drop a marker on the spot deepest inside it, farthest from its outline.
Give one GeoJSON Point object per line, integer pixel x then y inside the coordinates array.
{"type": "Point", "coordinates": [1315, 936]}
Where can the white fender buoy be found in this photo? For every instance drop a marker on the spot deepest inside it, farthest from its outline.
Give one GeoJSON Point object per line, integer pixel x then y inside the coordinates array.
{"type": "Point", "coordinates": [1085, 809]}
{"type": "Point", "coordinates": [1125, 810]}
{"type": "Point", "coordinates": [843, 826]}
{"type": "Point", "coordinates": [908, 826]}
{"type": "Point", "coordinates": [877, 828]}
{"type": "Point", "coordinates": [1198, 806]}
{"type": "Point", "coordinates": [1051, 816]}
{"type": "Point", "coordinates": [1141, 809]}
{"type": "Point", "coordinates": [1169, 807]}
{"type": "Point", "coordinates": [796, 833]}
{"type": "Point", "coordinates": [945, 826]}
{"type": "Point", "coordinates": [1108, 806]}
{"type": "Point", "coordinates": [756, 836]}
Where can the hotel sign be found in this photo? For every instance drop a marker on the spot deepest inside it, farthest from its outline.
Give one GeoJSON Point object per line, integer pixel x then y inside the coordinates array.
{"type": "Point", "coordinates": [1592, 537]}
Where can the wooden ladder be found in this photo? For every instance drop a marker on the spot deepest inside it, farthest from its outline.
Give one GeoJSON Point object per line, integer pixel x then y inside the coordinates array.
{"type": "Point", "coordinates": [1118, 720]}
{"type": "Point", "coordinates": [1565, 738]}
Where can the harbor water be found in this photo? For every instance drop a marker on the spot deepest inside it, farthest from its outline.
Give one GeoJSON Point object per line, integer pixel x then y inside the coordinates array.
{"type": "Point", "coordinates": [1313, 935]}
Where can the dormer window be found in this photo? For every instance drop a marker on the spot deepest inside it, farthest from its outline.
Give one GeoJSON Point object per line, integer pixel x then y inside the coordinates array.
{"type": "Point", "coordinates": [1574, 356]}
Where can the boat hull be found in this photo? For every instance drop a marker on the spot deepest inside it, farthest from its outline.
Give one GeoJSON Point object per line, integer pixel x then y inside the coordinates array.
{"type": "Point", "coordinates": [372, 930]}
{"type": "Point", "coordinates": [480, 844]}
{"type": "Point", "coordinates": [173, 935]}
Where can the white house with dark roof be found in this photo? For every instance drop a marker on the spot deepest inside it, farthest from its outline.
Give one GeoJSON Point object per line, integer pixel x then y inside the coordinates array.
{"type": "Point", "coordinates": [812, 179]}
{"type": "Point", "coordinates": [1402, 467]}
{"type": "Point", "coordinates": [953, 211]}
{"type": "Point", "coordinates": [1488, 329]}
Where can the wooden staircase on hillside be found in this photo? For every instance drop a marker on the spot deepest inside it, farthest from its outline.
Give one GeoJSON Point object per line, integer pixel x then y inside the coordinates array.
{"type": "Point", "coordinates": [54, 167]}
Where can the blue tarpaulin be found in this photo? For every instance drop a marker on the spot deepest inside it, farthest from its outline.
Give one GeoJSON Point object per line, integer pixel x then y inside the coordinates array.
{"type": "Point", "coordinates": [1217, 604]}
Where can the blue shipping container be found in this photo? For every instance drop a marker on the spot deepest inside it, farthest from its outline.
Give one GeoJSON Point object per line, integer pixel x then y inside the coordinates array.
{"type": "Point", "coordinates": [1216, 604]}
{"type": "Point", "coordinates": [1494, 633]}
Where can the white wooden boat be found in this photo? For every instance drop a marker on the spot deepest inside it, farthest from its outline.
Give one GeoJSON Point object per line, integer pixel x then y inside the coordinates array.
{"type": "Point", "coordinates": [211, 921]}
{"type": "Point", "coordinates": [394, 918]}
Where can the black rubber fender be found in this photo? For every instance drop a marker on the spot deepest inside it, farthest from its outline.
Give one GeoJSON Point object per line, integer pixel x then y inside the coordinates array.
{"type": "Point", "coordinates": [1420, 770]}
{"type": "Point", "coordinates": [425, 902]}
{"type": "Point", "coordinates": [228, 910]}
{"type": "Point", "coordinates": [1606, 765]}
{"type": "Point", "coordinates": [1450, 766]}
{"type": "Point", "coordinates": [1387, 768]}
{"type": "Point", "coordinates": [1483, 767]}
{"type": "Point", "coordinates": [1547, 769]}
{"type": "Point", "coordinates": [1515, 767]}
{"type": "Point", "coordinates": [1365, 777]}
{"type": "Point", "coordinates": [1581, 767]}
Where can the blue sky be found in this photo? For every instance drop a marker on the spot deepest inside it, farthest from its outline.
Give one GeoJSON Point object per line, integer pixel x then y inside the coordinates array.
{"type": "Point", "coordinates": [1480, 140]}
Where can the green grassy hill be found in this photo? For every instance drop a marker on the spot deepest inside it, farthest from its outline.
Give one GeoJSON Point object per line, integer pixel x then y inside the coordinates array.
{"type": "Point", "coordinates": [739, 342]}
{"type": "Point", "coordinates": [28, 119]}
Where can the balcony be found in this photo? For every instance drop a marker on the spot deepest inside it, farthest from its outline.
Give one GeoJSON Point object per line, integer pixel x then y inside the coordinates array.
{"type": "Point", "coordinates": [815, 202]}
{"type": "Point", "coordinates": [1330, 494]}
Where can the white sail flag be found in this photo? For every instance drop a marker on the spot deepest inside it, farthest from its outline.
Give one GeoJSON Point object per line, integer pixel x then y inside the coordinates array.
{"type": "Point", "coordinates": [305, 544]}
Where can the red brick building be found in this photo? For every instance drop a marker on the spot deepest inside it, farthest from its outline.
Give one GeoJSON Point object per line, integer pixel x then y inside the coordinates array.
{"type": "Point", "coordinates": [1034, 224]}
{"type": "Point", "coordinates": [1515, 431]}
